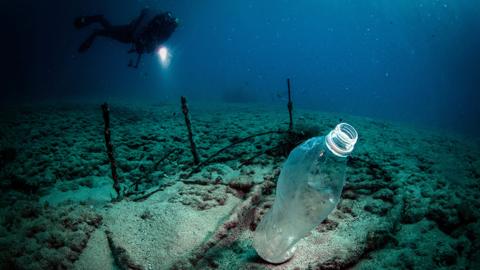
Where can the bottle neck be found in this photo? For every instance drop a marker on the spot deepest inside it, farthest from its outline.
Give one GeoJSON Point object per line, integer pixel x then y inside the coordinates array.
{"type": "Point", "coordinates": [341, 140]}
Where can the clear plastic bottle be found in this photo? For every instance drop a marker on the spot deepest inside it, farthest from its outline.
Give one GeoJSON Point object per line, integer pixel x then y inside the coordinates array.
{"type": "Point", "coordinates": [308, 189]}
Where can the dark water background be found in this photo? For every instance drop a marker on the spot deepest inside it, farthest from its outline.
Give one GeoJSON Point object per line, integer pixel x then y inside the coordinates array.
{"type": "Point", "coordinates": [410, 61]}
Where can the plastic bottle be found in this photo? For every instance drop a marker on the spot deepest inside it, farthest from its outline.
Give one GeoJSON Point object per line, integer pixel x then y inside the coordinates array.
{"type": "Point", "coordinates": [308, 189]}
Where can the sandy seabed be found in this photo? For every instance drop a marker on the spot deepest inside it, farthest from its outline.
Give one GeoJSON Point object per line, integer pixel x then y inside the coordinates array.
{"type": "Point", "coordinates": [410, 199]}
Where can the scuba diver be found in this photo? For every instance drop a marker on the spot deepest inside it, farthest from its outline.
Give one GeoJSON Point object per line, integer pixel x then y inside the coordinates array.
{"type": "Point", "coordinates": [145, 33]}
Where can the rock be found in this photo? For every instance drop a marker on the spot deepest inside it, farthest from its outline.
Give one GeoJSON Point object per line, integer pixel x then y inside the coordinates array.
{"type": "Point", "coordinates": [476, 167]}
{"type": "Point", "coordinates": [445, 255]}
{"type": "Point", "coordinates": [407, 259]}
{"type": "Point", "coordinates": [379, 238]}
{"type": "Point", "coordinates": [121, 256]}
{"type": "Point", "coordinates": [349, 194]}
{"type": "Point", "coordinates": [327, 225]}
{"type": "Point", "coordinates": [384, 195]}
{"type": "Point", "coordinates": [468, 211]}
{"type": "Point", "coordinates": [7, 155]}
{"type": "Point", "coordinates": [377, 207]}
{"type": "Point", "coordinates": [241, 185]}
{"type": "Point", "coordinates": [413, 213]}
{"type": "Point", "coordinates": [346, 206]}
{"type": "Point", "coordinates": [371, 186]}
{"type": "Point", "coordinates": [446, 217]}
{"type": "Point", "coordinates": [473, 233]}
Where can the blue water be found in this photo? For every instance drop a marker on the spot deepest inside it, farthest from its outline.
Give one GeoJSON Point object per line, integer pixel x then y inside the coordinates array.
{"type": "Point", "coordinates": [411, 61]}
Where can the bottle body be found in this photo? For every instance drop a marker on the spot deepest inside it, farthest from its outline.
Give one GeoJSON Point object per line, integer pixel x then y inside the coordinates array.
{"type": "Point", "coordinates": [308, 189]}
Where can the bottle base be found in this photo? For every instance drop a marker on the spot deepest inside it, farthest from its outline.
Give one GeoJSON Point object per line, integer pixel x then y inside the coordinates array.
{"type": "Point", "coordinates": [277, 259]}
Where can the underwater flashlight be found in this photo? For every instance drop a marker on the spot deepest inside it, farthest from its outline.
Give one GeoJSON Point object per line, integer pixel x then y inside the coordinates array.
{"type": "Point", "coordinates": [163, 53]}
{"type": "Point", "coordinates": [164, 56]}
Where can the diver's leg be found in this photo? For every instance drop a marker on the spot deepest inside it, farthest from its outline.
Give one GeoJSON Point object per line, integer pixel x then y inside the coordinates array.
{"type": "Point", "coordinates": [119, 33]}
{"type": "Point", "coordinates": [130, 64]}
{"type": "Point", "coordinates": [84, 21]}
{"type": "Point", "coordinates": [122, 33]}
{"type": "Point", "coordinates": [139, 57]}
{"type": "Point", "coordinates": [89, 41]}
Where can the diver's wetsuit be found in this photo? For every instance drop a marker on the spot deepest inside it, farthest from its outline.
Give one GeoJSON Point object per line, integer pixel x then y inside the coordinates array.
{"type": "Point", "coordinates": [145, 33]}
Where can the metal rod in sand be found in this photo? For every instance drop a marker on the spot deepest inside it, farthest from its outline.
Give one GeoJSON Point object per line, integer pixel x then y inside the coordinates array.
{"type": "Point", "coordinates": [290, 105]}
{"type": "Point", "coordinates": [196, 160]}
{"type": "Point", "coordinates": [108, 143]}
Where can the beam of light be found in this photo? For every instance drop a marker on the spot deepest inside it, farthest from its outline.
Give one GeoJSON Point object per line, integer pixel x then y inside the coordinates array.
{"type": "Point", "coordinates": [164, 56]}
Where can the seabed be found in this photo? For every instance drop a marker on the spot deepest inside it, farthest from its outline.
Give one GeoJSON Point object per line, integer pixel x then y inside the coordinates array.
{"type": "Point", "coordinates": [410, 199]}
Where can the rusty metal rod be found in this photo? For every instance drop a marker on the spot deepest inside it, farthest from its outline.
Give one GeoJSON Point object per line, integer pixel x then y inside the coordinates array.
{"type": "Point", "coordinates": [108, 143]}
{"type": "Point", "coordinates": [290, 105]}
{"type": "Point", "coordinates": [196, 159]}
